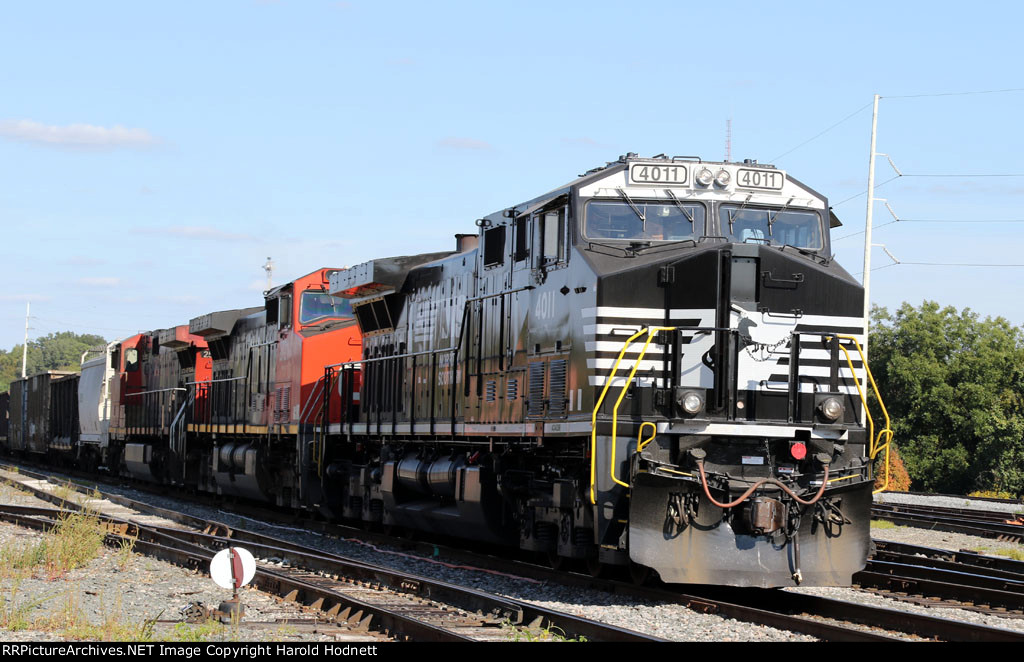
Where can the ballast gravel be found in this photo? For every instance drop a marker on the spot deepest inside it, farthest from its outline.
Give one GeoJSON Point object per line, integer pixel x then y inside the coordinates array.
{"type": "Point", "coordinates": [667, 620]}
{"type": "Point", "coordinates": [116, 594]}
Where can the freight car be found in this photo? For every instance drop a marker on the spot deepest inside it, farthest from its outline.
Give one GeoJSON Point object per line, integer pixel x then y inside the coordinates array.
{"type": "Point", "coordinates": [43, 413]}
{"type": "Point", "coordinates": [647, 366]}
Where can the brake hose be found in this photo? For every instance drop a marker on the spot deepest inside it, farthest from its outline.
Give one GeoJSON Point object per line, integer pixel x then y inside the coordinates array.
{"type": "Point", "coordinates": [773, 481]}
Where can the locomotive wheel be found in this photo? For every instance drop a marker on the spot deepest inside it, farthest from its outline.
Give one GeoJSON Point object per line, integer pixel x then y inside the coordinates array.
{"type": "Point", "coordinates": [556, 561]}
{"type": "Point", "coordinates": [640, 574]}
{"type": "Point", "coordinates": [594, 566]}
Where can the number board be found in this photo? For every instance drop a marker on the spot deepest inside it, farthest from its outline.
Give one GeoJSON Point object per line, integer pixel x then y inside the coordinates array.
{"type": "Point", "coordinates": [665, 175]}
{"type": "Point", "coordinates": [763, 179]}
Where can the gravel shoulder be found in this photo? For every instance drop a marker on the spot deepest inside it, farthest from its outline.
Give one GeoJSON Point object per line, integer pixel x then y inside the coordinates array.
{"type": "Point", "coordinates": [122, 595]}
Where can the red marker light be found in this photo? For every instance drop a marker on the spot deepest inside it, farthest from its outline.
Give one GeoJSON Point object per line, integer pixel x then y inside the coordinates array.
{"type": "Point", "coordinates": [798, 451]}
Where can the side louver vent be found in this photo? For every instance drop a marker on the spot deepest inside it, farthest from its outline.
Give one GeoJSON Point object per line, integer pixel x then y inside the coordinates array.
{"type": "Point", "coordinates": [556, 388]}
{"type": "Point", "coordinates": [535, 401]}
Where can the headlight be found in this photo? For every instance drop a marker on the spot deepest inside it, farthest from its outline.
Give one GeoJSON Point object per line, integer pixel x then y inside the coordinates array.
{"type": "Point", "coordinates": [705, 177]}
{"type": "Point", "coordinates": [691, 402]}
{"type": "Point", "coordinates": [723, 178]}
{"type": "Point", "coordinates": [831, 408]}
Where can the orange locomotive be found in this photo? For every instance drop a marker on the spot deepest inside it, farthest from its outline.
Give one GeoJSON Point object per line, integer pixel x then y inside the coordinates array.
{"type": "Point", "coordinates": [228, 403]}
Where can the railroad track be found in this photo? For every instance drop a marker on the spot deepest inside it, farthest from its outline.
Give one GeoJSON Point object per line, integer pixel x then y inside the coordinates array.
{"type": "Point", "coordinates": [982, 523]}
{"type": "Point", "coordinates": [824, 618]}
{"type": "Point", "coordinates": [363, 596]}
{"type": "Point", "coordinates": [961, 496]}
{"type": "Point", "coordinates": [937, 577]}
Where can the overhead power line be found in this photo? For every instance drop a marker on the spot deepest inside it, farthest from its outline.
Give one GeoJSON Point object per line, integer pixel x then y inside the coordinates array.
{"type": "Point", "coordinates": [818, 135]}
{"type": "Point", "coordinates": [979, 221]}
{"type": "Point", "coordinates": [952, 94]}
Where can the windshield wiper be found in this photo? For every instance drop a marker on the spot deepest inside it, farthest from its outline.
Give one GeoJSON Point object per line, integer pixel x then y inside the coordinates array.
{"type": "Point", "coordinates": [625, 250]}
{"type": "Point", "coordinates": [663, 244]}
{"type": "Point", "coordinates": [686, 212]}
{"type": "Point", "coordinates": [806, 251]}
{"type": "Point", "coordinates": [772, 217]}
{"type": "Point", "coordinates": [636, 210]}
{"type": "Point", "coordinates": [732, 213]}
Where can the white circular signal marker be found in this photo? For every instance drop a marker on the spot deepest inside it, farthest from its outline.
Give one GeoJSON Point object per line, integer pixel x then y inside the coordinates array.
{"type": "Point", "coordinates": [233, 567]}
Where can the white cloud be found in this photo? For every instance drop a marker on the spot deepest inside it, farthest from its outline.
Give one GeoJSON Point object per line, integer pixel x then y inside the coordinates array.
{"type": "Point", "coordinates": [76, 136]}
{"type": "Point", "coordinates": [464, 143]}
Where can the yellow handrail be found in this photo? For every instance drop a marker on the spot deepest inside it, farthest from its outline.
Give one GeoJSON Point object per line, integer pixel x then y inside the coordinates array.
{"type": "Point", "coordinates": [642, 443]}
{"type": "Point", "coordinates": [615, 411]}
{"type": "Point", "coordinates": [875, 444]}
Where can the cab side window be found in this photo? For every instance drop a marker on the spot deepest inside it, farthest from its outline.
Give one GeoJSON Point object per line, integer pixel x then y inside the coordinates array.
{"type": "Point", "coordinates": [552, 236]}
{"type": "Point", "coordinates": [494, 246]}
{"type": "Point", "coordinates": [131, 359]}
{"type": "Point", "coordinates": [522, 229]}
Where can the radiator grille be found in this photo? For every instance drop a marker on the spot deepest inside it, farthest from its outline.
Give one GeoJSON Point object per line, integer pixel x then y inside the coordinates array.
{"type": "Point", "coordinates": [557, 402]}
{"type": "Point", "coordinates": [535, 400]}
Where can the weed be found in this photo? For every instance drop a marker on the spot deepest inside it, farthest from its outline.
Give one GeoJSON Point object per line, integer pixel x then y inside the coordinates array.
{"type": "Point", "coordinates": [550, 633]}
{"type": "Point", "coordinates": [1015, 554]}
{"type": "Point", "coordinates": [14, 612]}
{"type": "Point", "coordinates": [124, 552]}
{"type": "Point", "coordinates": [882, 524]}
{"type": "Point", "coordinates": [991, 494]}
{"type": "Point", "coordinates": [77, 539]}
{"type": "Point", "coordinates": [64, 491]}
{"type": "Point", "coordinates": [187, 632]}
{"type": "Point", "coordinates": [112, 627]}
{"type": "Point", "coordinates": [69, 615]}
{"type": "Point", "coordinates": [18, 561]}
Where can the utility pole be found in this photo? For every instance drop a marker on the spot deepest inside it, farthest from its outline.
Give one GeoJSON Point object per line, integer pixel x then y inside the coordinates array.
{"type": "Point", "coordinates": [24, 348]}
{"type": "Point", "coordinates": [867, 226]}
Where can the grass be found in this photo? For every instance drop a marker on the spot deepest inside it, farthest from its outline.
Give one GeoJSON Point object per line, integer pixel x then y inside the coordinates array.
{"type": "Point", "coordinates": [124, 553]}
{"type": "Point", "coordinates": [1015, 554]}
{"type": "Point", "coordinates": [187, 632]}
{"type": "Point", "coordinates": [550, 633]}
{"type": "Point", "coordinates": [882, 524]}
{"type": "Point", "coordinates": [15, 611]}
{"type": "Point", "coordinates": [992, 494]}
{"type": "Point", "coordinates": [64, 491]}
{"type": "Point", "coordinates": [75, 541]}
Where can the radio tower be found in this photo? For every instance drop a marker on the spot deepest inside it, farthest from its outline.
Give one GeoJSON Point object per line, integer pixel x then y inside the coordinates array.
{"type": "Point", "coordinates": [269, 268]}
{"type": "Point", "coordinates": [728, 140]}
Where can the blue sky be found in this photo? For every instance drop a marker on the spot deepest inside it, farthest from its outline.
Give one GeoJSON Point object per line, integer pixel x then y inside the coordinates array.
{"type": "Point", "coordinates": [152, 155]}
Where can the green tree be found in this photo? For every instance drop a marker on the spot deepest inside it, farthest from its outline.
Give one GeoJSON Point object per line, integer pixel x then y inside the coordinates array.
{"type": "Point", "coordinates": [953, 385]}
{"type": "Point", "coordinates": [56, 351]}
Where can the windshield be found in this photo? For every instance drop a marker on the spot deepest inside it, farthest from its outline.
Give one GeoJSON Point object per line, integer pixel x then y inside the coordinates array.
{"type": "Point", "coordinates": [320, 305]}
{"type": "Point", "coordinates": [772, 226]}
{"type": "Point", "coordinates": [656, 221]}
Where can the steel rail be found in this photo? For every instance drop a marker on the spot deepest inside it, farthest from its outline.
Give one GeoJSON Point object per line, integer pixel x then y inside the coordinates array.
{"type": "Point", "coordinates": [965, 558]}
{"type": "Point", "coordinates": [514, 612]}
{"type": "Point", "coordinates": [781, 610]}
{"type": "Point", "coordinates": [1006, 532]}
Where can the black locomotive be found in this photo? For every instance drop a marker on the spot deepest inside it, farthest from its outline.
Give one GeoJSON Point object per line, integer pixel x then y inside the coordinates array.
{"type": "Point", "coordinates": [655, 364]}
